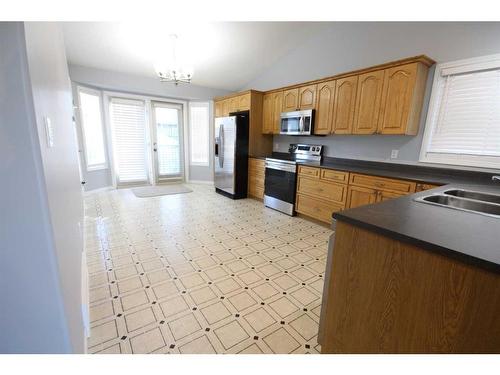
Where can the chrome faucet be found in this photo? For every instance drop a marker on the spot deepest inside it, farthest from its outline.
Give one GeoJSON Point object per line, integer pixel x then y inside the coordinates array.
{"type": "Point", "coordinates": [495, 178]}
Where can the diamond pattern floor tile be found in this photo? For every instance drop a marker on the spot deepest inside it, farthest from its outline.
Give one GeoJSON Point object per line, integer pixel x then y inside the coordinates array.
{"type": "Point", "coordinates": [200, 273]}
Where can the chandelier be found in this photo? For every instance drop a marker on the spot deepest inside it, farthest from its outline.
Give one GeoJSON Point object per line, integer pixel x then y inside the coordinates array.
{"type": "Point", "coordinates": [170, 69]}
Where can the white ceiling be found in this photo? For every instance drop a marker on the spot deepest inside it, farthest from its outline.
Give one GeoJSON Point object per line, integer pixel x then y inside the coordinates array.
{"type": "Point", "coordinates": [224, 55]}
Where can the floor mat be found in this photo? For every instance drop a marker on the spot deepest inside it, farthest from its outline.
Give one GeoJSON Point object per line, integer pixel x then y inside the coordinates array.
{"type": "Point", "coordinates": [154, 191]}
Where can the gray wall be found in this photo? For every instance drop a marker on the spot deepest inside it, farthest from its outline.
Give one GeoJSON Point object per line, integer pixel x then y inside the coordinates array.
{"type": "Point", "coordinates": [40, 268]}
{"type": "Point", "coordinates": [347, 46]}
{"type": "Point", "coordinates": [127, 83]}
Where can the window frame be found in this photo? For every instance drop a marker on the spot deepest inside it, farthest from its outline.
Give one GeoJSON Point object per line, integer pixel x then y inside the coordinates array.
{"type": "Point", "coordinates": [105, 164]}
{"type": "Point", "coordinates": [205, 104]}
{"type": "Point", "coordinates": [455, 67]}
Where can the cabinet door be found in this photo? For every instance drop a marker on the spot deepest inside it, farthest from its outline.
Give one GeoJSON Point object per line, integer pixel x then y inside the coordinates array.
{"type": "Point", "coordinates": [368, 99]}
{"type": "Point", "coordinates": [343, 108]}
{"type": "Point", "coordinates": [233, 104]}
{"type": "Point", "coordinates": [277, 105]}
{"type": "Point", "coordinates": [225, 107]}
{"type": "Point", "coordinates": [218, 109]}
{"type": "Point", "coordinates": [386, 195]}
{"type": "Point", "coordinates": [399, 84]}
{"type": "Point", "coordinates": [267, 114]}
{"type": "Point", "coordinates": [244, 102]}
{"type": "Point", "coordinates": [307, 97]}
{"type": "Point", "coordinates": [359, 196]}
{"type": "Point", "coordinates": [324, 109]}
{"type": "Point", "coordinates": [290, 100]}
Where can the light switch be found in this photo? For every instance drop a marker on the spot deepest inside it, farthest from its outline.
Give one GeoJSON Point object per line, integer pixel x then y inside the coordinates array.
{"type": "Point", "coordinates": [394, 154]}
{"type": "Point", "coordinates": [49, 132]}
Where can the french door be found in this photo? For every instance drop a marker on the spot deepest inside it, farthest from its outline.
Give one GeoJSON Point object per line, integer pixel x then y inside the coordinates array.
{"type": "Point", "coordinates": [146, 141]}
{"type": "Point", "coordinates": [167, 141]}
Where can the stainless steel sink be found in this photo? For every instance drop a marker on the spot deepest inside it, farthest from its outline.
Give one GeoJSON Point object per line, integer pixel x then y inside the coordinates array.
{"type": "Point", "coordinates": [463, 204]}
{"type": "Point", "coordinates": [492, 198]}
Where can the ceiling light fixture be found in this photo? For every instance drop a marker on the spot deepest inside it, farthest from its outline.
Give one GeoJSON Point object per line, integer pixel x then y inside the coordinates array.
{"type": "Point", "coordinates": [171, 70]}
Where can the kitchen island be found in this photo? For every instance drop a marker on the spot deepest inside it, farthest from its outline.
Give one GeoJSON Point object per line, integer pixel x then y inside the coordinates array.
{"type": "Point", "coordinates": [408, 277]}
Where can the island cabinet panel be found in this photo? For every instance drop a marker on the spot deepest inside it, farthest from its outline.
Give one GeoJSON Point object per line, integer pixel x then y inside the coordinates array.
{"type": "Point", "coordinates": [344, 105]}
{"type": "Point", "coordinates": [323, 122]}
{"type": "Point", "coordinates": [388, 296]}
{"type": "Point", "coordinates": [290, 100]}
{"type": "Point", "coordinates": [368, 101]}
{"type": "Point", "coordinates": [421, 186]}
{"type": "Point", "coordinates": [397, 99]}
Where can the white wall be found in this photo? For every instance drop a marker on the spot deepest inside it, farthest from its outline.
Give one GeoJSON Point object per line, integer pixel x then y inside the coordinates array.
{"type": "Point", "coordinates": [127, 83]}
{"type": "Point", "coordinates": [41, 203]}
{"type": "Point", "coordinates": [348, 46]}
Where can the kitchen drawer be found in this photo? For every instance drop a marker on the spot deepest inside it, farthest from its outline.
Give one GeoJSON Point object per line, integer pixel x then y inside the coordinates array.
{"type": "Point", "coordinates": [316, 208]}
{"type": "Point", "coordinates": [381, 183]}
{"type": "Point", "coordinates": [322, 189]}
{"type": "Point", "coordinates": [336, 176]}
{"type": "Point", "coordinates": [309, 171]}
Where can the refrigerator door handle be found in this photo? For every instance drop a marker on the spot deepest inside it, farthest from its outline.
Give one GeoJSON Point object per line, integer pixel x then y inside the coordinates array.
{"type": "Point", "coordinates": [221, 146]}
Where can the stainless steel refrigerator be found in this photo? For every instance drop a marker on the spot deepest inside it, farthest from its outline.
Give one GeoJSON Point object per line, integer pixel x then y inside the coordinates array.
{"type": "Point", "coordinates": [231, 155]}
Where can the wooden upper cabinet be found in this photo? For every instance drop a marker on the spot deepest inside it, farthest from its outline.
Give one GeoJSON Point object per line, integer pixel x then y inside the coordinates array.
{"type": "Point", "coordinates": [277, 105]}
{"type": "Point", "coordinates": [233, 104]}
{"type": "Point", "coordinates": [307, 97]}
{"type": "Point", "coordinates": [324, 108]}
{"type": "Point", "coordinates": [218, 109]}
{"type": "Point", "coordinates": [290, 100]}
{"type": "Point", "coordinates": [244, 102]}
{"type": "Point", "coordinates": [267, 114]}
{"type": "Point", "coordinates": [225, 107]}
{"type": "Point", "coordinates": [271, 112]}
{"type": "Point", "coordinates": [368, 102]}
{"type": "Point", "coordinates": [344, 104]}
{"type": "Point", "coordinates": [399, 96]}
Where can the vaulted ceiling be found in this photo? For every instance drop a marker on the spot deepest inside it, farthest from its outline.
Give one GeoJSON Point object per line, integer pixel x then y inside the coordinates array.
{"type": "Point", "coordinates": [225, 55]}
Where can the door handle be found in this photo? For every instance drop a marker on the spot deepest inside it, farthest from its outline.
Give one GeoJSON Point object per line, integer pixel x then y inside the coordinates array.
{"type": "Point", "coordinates": [221, 141]}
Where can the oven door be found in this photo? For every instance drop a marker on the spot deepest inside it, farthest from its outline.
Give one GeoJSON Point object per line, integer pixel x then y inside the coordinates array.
{"type": "Point", "coordinates": [279, 187]}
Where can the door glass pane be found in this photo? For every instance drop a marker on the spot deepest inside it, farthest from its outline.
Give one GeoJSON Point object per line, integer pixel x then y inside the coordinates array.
{"type": "Point", "coordinates": [168, 141]}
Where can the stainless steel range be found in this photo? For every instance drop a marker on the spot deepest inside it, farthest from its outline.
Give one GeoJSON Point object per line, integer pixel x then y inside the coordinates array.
{"type": "Point", "coordinates": [281, 175]}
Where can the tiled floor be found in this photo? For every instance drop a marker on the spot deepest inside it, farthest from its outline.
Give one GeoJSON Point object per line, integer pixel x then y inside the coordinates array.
{"type": "Point", "coordinates": [200, 273]}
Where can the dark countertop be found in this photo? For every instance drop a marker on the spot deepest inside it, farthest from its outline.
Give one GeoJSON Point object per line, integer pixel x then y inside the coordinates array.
{"type": "Point", "coordinates": [467, 236]}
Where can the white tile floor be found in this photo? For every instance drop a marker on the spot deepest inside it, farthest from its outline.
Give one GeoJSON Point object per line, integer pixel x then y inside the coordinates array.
{"type": "Point", "coordinates": [200, 273]}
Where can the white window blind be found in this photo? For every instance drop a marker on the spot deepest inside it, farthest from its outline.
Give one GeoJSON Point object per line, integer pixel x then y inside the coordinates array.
{"type": "Point", "coordinates": [463, 125]}
{"type": "Point", "coordinates": [469, 116]}
{"type": "Point", "coordinates": [128, 124]}
{"type": "Point", "coordinates": [92, 129]}
{"type": "Point", "coordinates": [199, 133]}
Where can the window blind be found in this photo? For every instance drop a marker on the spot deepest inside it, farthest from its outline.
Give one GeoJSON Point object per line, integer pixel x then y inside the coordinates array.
{"type": "Point", "coordinates": [128, 124]}
{"type": "Point", "coordinates": [199, 133]}
{"type": "Point", "coordinates": [468, 120]}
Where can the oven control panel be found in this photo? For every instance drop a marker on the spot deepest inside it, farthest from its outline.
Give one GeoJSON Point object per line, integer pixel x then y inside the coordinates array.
{"type": "Point", "coordinates": [303, 151]}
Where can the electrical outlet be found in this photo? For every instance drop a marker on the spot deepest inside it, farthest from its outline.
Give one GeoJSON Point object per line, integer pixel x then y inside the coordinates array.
{"type": "Point", "coordinates": [394, 154]}
{"type": "Point", "coordinates": [276, 146]}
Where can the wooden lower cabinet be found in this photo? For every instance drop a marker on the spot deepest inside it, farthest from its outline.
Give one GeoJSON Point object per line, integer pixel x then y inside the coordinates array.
{"type": "Point", "coordinates": [256, 178]}
{"type": "Point", "coordinates": [359, 196]}
{"type": "Point", "coordinates": [316, 208]}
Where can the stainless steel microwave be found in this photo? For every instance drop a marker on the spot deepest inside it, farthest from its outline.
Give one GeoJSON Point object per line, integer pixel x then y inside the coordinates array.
{"type": "Point", "coordinates": [297, 122]}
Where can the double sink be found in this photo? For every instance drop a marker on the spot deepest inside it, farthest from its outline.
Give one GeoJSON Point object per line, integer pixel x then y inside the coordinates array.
{"type": "Point", "coordinates": [465, 200]}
